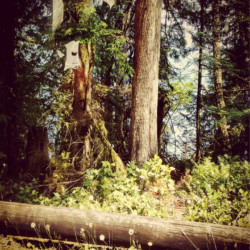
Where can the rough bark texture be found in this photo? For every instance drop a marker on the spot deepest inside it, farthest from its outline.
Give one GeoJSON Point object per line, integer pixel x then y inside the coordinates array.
{"type": "Point", "coordinates": [162, 110]}
{"type": "Point", "coordinates": [82, 81]}
{"type": "Point", "coordinates": [81, 113]}
{"type": "Point", "coordinates": [79, 225]}
{"type": "Point", "coordinates": [37, 158]}
{"type": "Point", "coordinates": [218, 77]}
{"type": "Point", "coordinates": [143, 134]}
{"type": "Point", "coordinates": [198, 105]}
{"type": "Point", "coordinates": [86, 134]}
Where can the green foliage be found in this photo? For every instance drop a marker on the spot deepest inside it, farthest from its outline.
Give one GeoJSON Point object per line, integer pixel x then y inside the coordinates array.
{"type": "Point", "coordinates": [20, 192]}
{"type": "Point", "coordinates": [107, 190]}
{"type": "Point", "coordinates": [181, 94]}
{"type": "Point", "coordinates": [220, 192]}
{"type": "Point", "coordinates": [89, 28]}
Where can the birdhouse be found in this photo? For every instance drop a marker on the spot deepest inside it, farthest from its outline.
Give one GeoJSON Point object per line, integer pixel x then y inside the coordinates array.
{"type": "Point", "coordinates": [72, 55]}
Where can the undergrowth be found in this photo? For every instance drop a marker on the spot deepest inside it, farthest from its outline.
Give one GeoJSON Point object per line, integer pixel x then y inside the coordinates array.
{"type": "Point", "coordinates": [139, 191]}
{"type": "Point", "coordinates": [220, 192]}
{"type": "Point", "coordinates": [217, 193]}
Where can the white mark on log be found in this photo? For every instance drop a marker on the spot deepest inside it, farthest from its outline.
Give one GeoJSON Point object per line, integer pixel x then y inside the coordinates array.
{"type": "Point", "coordinates": [131, 231]}
{"type": "Point", "coordinates": [102, 237]}
{"type": "Point", "coordinates": [33, 225]}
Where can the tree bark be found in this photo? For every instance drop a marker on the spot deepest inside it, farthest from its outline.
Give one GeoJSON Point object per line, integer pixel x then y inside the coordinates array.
{"type": "Point", "coordinates": [198, 105]}
{"type": "Point", "coordinates": [37, 158]}
{"type": "Point", "coordinates": [82, 81]}
{"type": "Point", "coordinates": [218, 84]}
{"type": "Point", "coordinates": [143, 134]}
{"type": "Point", "coordinates": [118, 229]}
{"type": "Point", "coordinates": [86, 134]}
{"type": "Point", "coordinates": [81, 112]}
{"type": "Point", "coordinates": [82, 75]}
{"type": "Point", "coordinates": [162, 110]}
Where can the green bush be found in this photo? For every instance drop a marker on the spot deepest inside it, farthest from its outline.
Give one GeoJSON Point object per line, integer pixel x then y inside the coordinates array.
{"type": "Point", "coordinates": [220, 192]}
{"type": "Point", "coordinates": [20, 192]}
{"type": "Point", "coordinates": [106, 190]}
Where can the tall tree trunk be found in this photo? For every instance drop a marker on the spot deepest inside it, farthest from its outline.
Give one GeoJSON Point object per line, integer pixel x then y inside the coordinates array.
{"type": "Point", "coordinates": [198, 105]}
{"type": "Point", "coordinates": [143, 134]}
{"type": "Point", "coordinates": [218, 77]}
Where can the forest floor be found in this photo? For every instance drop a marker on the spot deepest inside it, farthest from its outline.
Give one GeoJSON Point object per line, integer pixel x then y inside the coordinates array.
{"type": "Point", "coordinates": [23, 243]}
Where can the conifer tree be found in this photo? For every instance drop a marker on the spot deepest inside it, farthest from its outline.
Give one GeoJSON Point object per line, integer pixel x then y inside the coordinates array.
{"type": "Point", "coordinates": [218, 81]}
{"type": "Point", "coordinates": [198, 105]}
{"type": "Point", "coordinates": [143, 134]}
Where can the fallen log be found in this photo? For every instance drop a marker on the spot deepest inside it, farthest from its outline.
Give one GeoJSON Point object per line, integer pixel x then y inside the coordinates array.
{"type": "Point", "coordinates": [117, 229]}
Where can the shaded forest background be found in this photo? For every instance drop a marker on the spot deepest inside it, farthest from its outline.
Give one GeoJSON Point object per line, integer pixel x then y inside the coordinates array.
{"type": "Point", "coordinates": [203, 100]}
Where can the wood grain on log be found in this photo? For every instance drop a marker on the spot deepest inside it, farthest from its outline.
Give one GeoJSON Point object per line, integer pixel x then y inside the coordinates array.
{"type": "Point", "coordinates": [118, 229]}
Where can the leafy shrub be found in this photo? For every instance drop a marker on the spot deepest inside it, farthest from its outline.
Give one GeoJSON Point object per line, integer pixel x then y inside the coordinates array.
{"type": "Point", "coordinates": [106, 190]}
{"type": "Point", "coordinates": [20, 192]}
{"type": "Point", "coordinates": [220, 192]}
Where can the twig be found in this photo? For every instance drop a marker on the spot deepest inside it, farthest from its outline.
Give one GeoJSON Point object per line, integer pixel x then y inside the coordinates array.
{"type": "Point", "coordinates": [190, 240]}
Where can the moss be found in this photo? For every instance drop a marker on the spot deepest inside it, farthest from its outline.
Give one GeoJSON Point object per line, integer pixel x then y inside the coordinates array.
{"type": "Point", "coordinates": [102, 133]}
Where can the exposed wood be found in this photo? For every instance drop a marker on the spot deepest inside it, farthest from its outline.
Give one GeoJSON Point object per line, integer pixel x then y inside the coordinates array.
{"type": "Point", "coordinates": [82, 82]}
{"type": "Point", "coordinates": [81, 225]}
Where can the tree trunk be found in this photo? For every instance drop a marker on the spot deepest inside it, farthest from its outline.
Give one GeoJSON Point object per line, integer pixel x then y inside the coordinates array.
{"type": "Point", "coordinates": [86, 133]}
{"type": "Point", "coordinates": [162, 110]}
{"type": "Point", "coordinates": [81, 112]}
{"type": "Point", "coordinates": [82, 82]}
{"type": "Point", "coordinates": [37, 158]}
{"type": "Point", "coordinates": [198, 105]}
{"type": "Point", "coordinates": [118, 229]}
{"type": "Point", "coordinates": [218, 77]}
{"type": "Point", "coordinates": [143, 134]}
